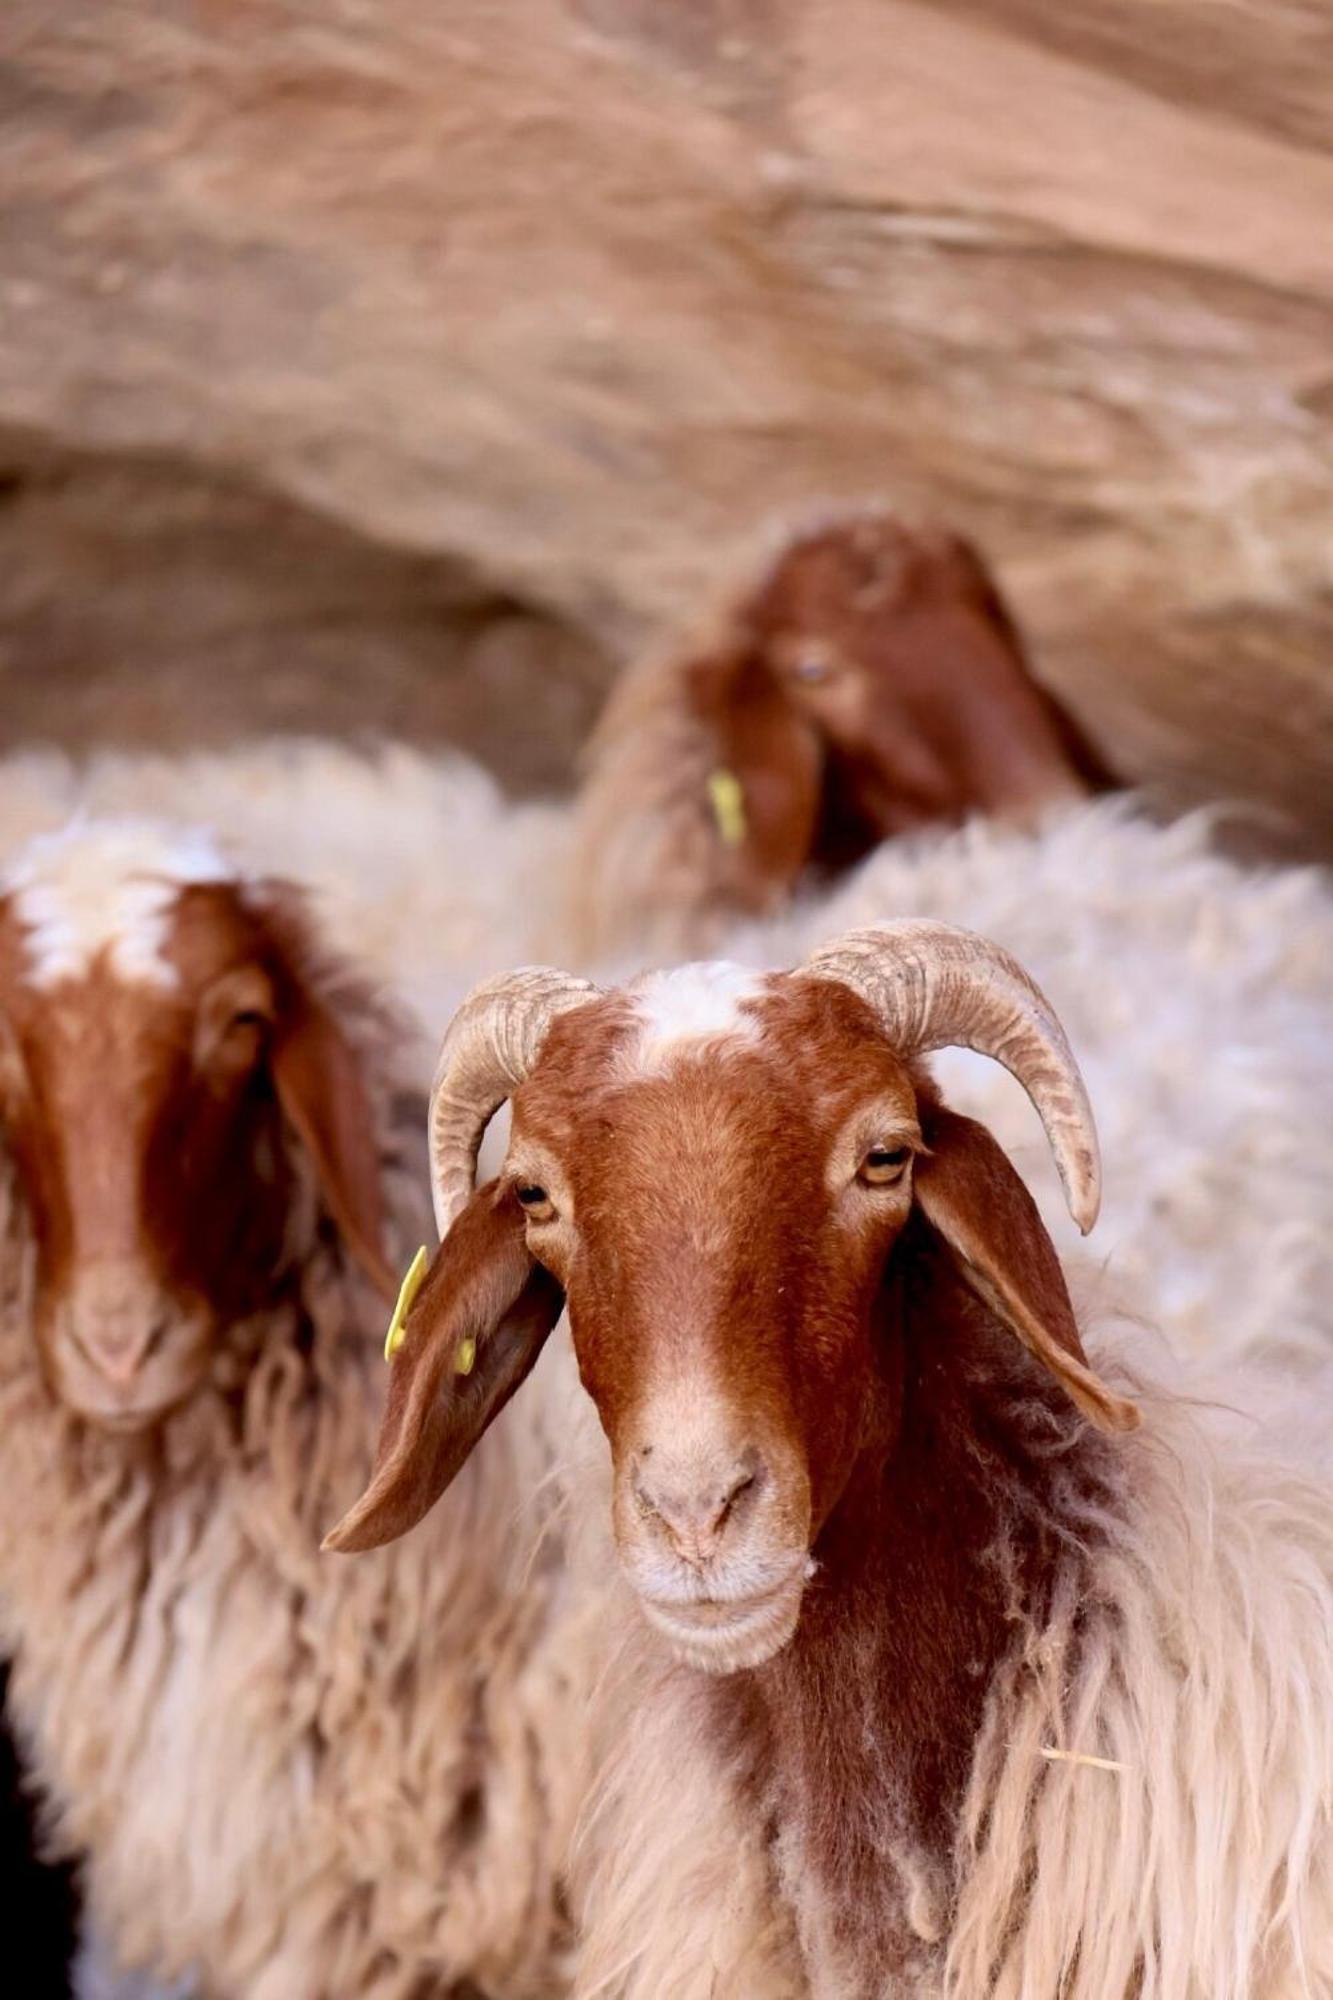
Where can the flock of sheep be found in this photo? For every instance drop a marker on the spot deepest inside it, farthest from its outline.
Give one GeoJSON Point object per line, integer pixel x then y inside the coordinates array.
{"type": "Point", "coordinates": [880, 1581]}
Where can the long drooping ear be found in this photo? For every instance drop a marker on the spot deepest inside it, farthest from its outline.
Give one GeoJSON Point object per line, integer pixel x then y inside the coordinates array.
{"type": "Point", "coordinates": [1077, 748]}
{"type": "Point", "coordinates": [473, 1333]}
{"type": "Point", "coordinates": [701, 798]}
{"type": "Point", "coordinates": [765, 792]}
{"type": "Point", "coordinates": [972, 1197]}
{"type": "Point", "coordinates": [320, 1087]}
{"type": "Point", "coordinates": [317, 1071]}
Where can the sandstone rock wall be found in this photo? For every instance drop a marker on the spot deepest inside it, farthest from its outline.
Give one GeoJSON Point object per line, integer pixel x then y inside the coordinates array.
{"type": "Point", "coordinates": [533, 313]}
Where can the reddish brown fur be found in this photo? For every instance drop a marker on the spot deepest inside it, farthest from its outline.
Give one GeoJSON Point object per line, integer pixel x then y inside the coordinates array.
{"type": "Point", "coordinates": [856, 1740]}
{"type": "Point", "coordinates": [150, 1126]}
{"type": "Point", "coordinates": [866, 1357]}
{"type": "Point", "coordinates": [696, 1194]}
{"type": "Point", "coordinates": [924, 710]}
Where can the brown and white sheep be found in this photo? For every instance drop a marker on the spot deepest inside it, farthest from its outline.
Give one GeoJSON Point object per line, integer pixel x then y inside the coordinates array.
{"type": "Point", "coordinates": [1009, 1694]}
{"type": "Point", "coordinates": [871, 681]}
{"type": "Point", "coordinates": [287, 1779]}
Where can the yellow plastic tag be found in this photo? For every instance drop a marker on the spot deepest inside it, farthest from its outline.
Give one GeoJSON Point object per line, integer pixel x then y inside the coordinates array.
{"type": "Point", "coordinates": [466, 1356]}
{"type": "Point", "coordinates": [726, 795]}
{"type": "Point", "coordinates": [407, 1291]}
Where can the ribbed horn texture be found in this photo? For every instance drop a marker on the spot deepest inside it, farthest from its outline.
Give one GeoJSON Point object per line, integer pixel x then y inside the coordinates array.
{"type": "Point", "coordinates": [934, 986]}
{"type": "Point", "coordinates": [488, 1049]}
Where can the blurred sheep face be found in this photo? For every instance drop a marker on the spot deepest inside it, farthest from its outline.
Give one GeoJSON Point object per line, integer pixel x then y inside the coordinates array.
{"type": "Point", "coordinates": [898, 652]}
{"type": "Point", "coordinates": [147, 1134]}
{"type": "Point", "coordinates": [719, 1213]}
{"type": "Point", "coordinates": [160, 1051]}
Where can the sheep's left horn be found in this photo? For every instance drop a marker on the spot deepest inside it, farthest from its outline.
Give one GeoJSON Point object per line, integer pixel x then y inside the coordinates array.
{"type": "Point", "coordinates": [934, 986]}
{"type": "Point", "coordinates": [488, 1049]}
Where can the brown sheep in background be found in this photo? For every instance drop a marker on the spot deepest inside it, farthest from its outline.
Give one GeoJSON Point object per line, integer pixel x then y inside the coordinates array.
{"type": "Point", "coordinates": [871, 682]}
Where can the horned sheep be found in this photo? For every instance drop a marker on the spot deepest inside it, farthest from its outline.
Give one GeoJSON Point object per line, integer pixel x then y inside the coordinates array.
{"type": "Point", "coordinates": [1010, 1670]}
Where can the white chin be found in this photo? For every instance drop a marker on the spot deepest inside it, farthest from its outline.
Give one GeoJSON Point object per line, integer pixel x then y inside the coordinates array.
{"type": "Point", "coordinates": [725, 1638]}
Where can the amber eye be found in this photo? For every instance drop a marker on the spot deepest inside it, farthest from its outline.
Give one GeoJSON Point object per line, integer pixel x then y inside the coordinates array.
{"type": "Point", "coordinates": [883, 1165]}
{"type": "Point", "coordinates": [536, 1202]}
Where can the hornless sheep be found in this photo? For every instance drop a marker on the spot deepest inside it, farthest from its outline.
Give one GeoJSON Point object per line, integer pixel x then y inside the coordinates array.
{"type": "Point", "coordinates": [207, 1186]}
{"type": "Point", "coordinates": [870, 682]}
{"type": "Point", "coordinates": [1018, 1698]}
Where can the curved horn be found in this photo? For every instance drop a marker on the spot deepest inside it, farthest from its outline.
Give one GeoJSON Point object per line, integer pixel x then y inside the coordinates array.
{"type": "Point", "coordinates": [934, 986]}
{"type": "Point", "coordinates": [489, 1047]}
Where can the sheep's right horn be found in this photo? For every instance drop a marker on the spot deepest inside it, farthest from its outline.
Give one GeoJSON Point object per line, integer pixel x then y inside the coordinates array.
{"type": "Point", "coordinates": [935, 986]}
{"type": "Point", "coordinates": [488, 1049]}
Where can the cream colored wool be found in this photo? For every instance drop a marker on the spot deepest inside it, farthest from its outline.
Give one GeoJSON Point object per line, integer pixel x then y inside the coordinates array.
{"type": "Point", "coordinates": [293, 1775]}
{"type": "Point", "coordinates": [1191, 1646]}
{"type": "Point", "coordinates": [1196, 995]}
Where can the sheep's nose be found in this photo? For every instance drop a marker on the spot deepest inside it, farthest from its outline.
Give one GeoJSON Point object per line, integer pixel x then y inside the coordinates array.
{"type": "Point", "coordinates": [117, 1348]}
{"type": "Point", "coordinates": [116, 1319]}
{"type": "Point", "coordinates": [695, 1512]}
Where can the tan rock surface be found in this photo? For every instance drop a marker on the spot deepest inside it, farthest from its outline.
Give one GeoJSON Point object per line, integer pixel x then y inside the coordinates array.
{"type": "Point", "coordinates": [538, 312]}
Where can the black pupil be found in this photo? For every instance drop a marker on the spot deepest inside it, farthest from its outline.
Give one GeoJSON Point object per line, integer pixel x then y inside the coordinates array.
{"type": "Point", "coordinates": [532, 1197]}
{"type": "Point", "coordinates": [883, 1156]}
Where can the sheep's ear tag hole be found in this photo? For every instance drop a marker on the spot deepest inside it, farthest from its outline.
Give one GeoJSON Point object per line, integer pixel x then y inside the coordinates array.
{"type": "Point", "coordinates": [726, 795]}
{"type": "Point", "coordinates": [407, 1291]}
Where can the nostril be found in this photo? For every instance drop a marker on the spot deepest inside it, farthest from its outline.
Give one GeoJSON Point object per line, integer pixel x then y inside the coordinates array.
{"type": "Point", "coordinates": [736, 1502]}
{"type": "Point", "coordinates": [694, 1515]}
{"type": "Point", "coordinates": [156, 1337]}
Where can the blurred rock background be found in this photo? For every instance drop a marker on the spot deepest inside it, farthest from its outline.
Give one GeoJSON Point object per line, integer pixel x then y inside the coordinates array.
{"type": "Point", "coordinates": [407, 365]}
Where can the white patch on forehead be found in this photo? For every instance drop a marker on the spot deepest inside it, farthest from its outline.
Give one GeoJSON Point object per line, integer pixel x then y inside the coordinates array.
{"type": "Point", "coordinates": [106, 886]}
{"type": "Point", "coordinates": [692, 1003]}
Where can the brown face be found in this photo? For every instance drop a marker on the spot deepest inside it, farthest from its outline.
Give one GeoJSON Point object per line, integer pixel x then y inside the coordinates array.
{"type": "Point", "coordinates": [714, 1168]}
{"type": "Point", "coordinates": [719, 1215]}
{"type": "Point", "coordinates": [150, 1124]}
{"type": "Point", "coordinates": [896, 649]}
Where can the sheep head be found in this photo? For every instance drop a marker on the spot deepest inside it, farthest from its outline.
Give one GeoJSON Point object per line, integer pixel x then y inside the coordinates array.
{"type": "Point", "coordinates": [166, 1061]}
{"type": "Point", "coordinates": [884, 657]}
{"type": "Point", "coordinates": [718, 1169]}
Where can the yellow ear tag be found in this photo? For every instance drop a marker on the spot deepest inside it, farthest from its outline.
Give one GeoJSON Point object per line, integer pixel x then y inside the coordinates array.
{"type": "Point", "coordinates": [407, 1291]}
{"type": "Point", "coordinates": [727, 798]}
{"type": "Point", "coordinates": [466, 1356]}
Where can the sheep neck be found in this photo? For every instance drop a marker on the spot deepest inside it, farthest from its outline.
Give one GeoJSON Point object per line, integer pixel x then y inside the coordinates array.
{"type": "Point", "coordinates": [856, 1741]}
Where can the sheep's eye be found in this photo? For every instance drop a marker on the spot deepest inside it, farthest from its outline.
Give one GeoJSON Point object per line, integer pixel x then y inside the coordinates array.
{"type": "Point", "coordinates": [536, 1202]}
{"type": "Point", "coordinates": [811, 668]}
{"type": "Point", "coordinates": [249, 1017]}
{"type": "Point", "coordinates": [883, 1165]}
